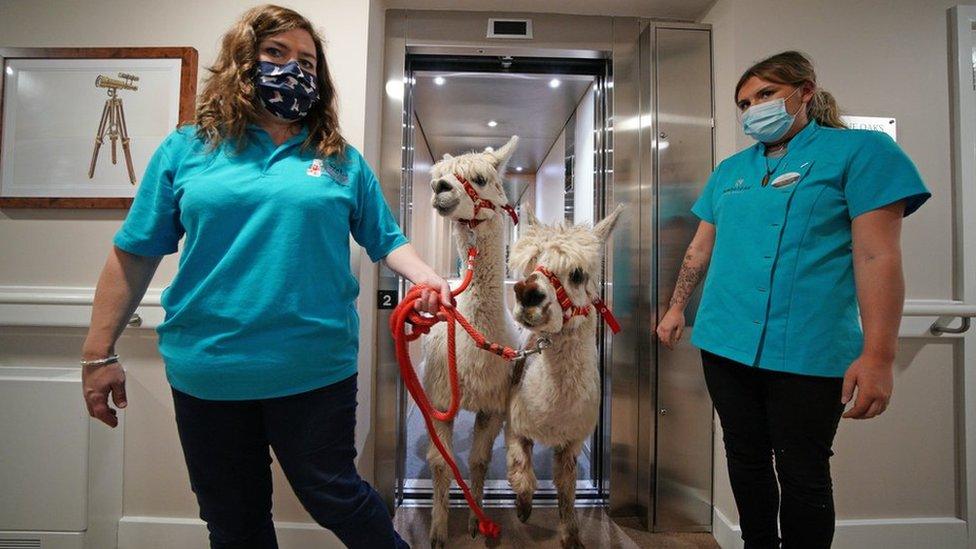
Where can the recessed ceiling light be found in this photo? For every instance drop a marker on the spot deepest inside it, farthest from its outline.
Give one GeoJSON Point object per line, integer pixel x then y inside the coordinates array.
{"type": "Point", "coordinates": [439, 80]}
{"type": "Point", "coordinates": [554, 83]}
{"type": "Point", "coordinates": [492, 123]}
{"type": "Point", "coordinates": [518, 168]}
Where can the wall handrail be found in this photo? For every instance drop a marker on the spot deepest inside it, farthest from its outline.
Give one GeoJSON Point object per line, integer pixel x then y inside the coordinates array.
{"type": "Point", "coordinates": [937, 307]}
{"type": "Point", "coordinates": [61, 295]}
{"type": "Point", "coordinates": [945, 310]}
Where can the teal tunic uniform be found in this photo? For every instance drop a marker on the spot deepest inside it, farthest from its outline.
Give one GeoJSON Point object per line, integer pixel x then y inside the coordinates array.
{"type": "Point", "coordinates": [263, 302]}
{"type": "Point", "coordinates": [780, 293]}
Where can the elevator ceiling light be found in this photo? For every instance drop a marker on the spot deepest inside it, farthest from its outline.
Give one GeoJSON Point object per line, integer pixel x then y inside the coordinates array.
{"type": "Point", "coordinates": [492, 123]}
{"type": "Point", "coordinates": [439, 80]}
{"type": "Point", "coordinates": [554, 83]}
{"type": "Point", "coordinates": [394, 89]}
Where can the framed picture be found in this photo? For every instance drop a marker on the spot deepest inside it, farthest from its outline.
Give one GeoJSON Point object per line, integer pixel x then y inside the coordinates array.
{"type": "Point", "coordinates": [79, 125]}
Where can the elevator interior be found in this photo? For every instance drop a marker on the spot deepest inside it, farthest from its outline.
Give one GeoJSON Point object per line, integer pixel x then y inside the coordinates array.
{"type": "Point", "coordinates": [609, 110]}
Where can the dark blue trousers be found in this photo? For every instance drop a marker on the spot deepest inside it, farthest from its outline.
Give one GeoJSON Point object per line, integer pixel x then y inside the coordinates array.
{"type": "Point", "coordinates": [226, 444]}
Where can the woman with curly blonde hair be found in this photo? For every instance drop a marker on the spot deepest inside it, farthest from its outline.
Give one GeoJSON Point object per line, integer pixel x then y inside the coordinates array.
{"type": "Point", "coordinates": [260, 338]}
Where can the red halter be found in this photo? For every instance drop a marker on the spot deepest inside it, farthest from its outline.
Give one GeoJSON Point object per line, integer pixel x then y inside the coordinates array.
{"type": "Point", "coordinates": [570, 309]}
{"type": "Point", "coordinates": [480, 203]}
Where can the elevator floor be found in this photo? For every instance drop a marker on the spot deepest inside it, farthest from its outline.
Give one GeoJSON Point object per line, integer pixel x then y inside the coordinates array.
{"type": "Point", "coordinates": [418, 441]}
{"type": "Point", "coordinates": [596, 528]}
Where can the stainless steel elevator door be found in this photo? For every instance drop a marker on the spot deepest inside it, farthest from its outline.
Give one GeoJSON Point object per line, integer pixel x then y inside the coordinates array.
{"type": "Point", "coordinates": [683, 146]}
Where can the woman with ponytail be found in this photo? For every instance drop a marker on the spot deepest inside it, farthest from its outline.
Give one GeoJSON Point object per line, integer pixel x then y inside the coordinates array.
{"type": "Point", "coordinates": [799, 237]}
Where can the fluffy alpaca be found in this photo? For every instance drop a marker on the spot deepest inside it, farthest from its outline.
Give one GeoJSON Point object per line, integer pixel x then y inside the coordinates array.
{"type": "Point", "coordinates": [484, 378]}
{"type": "Point", "coordinates": [557, 401]}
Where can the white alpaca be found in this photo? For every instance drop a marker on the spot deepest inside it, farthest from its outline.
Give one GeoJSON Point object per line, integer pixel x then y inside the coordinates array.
{"type": "Point", "coordinates": [484, 378]}
{"type": "Point", "coordinates": [557, 400]}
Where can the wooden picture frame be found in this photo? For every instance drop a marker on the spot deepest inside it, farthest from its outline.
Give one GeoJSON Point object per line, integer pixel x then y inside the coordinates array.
{"type": "Point", "coordinates": [68, 59]}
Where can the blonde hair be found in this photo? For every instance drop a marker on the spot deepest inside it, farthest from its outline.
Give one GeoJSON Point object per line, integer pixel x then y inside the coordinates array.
{"type": "Point", "coordinates": [228, 101]}
{"type": "Point", "coordinates": [795, 69]}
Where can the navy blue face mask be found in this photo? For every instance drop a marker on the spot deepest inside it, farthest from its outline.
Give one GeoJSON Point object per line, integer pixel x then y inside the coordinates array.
{"type": "Point", "coordinates": [287, 91]}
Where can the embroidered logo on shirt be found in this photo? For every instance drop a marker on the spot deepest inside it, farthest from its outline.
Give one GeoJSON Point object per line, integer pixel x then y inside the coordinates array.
{"type": "Point", "coordinates": [738, 186]}
{"type": "Point", "coordinates": [336, 173]}
{"type": "Point", "coordinates": [315, 168]}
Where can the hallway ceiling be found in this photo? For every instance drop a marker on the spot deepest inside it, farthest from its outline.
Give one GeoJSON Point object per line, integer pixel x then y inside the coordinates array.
{"type": "Point", "coordinates": [454, 116]}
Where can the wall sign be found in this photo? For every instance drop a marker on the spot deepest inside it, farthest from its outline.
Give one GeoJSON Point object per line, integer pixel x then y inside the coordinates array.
{"type": "Point", "coordinates": [875, 123]}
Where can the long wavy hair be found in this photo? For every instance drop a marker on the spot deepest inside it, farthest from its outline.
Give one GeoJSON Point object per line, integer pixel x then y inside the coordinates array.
{"type": "Point", "coordinates": [795, 69]}
{"type": "Point", "coordinates": [229, 102]}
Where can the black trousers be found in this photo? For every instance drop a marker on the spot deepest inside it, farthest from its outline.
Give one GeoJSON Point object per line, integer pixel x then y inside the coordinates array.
{"type": "Point", "coordinates": [777, 426]}
{"type": "Point", "coordinates": [226, 443]}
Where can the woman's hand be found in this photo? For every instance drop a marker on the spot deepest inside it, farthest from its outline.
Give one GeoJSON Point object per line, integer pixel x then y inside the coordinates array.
{"type": "Point", "coordinates": [436, 293]}
{"type": "Point", "coordinates": [874, 382]}
{"type": "Point", "coordinates": [671, 327]}
{"type": "Point", "coordinates": [96, 384]}
{"type": "Point", "coordinates": [405, 261]}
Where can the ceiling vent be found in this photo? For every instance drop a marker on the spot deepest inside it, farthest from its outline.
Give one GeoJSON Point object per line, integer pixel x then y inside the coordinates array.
{"type": "Point", "coordinates": [510, 28]}
{"type": "Point", "coordinates": [8, 543]}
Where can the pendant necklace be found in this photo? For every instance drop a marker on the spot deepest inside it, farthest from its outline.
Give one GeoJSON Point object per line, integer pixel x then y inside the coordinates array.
{"type": "Point", "coordinates": [769, 172]}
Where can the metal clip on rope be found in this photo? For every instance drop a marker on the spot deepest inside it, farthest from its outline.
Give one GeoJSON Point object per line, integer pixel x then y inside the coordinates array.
{"type": "Point", "coordinates": [541, 344]}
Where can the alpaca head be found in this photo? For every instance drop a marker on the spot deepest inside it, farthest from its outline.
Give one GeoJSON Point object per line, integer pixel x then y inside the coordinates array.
{"type": "Point", "coordinates": [483, 170]}
{"type": "Point", "coordinates": [553, 256]}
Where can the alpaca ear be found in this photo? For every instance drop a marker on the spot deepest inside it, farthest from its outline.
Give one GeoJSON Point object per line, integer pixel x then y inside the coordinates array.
{"type": "Point", "coordinates": [447, 156]}
{"type": "Point", "coordinates": [607, 224]}
{"type": "Point", "coordinates": [501, 156]}
{"type": "Point", "coordinates": [529, 217]}
{"type": "Point", "coordinates": [522, 255]}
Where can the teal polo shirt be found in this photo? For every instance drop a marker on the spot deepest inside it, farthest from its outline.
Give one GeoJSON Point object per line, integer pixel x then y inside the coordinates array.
{"type": "Point", "coordinates": [263, 301]}
{"type": "Point", "coordinates": [780, 293]}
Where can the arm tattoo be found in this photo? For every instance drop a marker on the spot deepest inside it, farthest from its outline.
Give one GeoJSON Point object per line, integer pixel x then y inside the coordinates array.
{"type": "Point", "coordinates": [691, 274]}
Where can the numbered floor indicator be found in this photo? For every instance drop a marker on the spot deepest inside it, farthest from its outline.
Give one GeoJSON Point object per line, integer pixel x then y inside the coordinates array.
{"type": "Point", "coordinates": [387, 299]}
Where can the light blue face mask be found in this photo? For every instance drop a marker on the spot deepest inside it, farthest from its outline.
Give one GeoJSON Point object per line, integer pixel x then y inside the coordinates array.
{"type": "Point", "coordinates": [768, 122]}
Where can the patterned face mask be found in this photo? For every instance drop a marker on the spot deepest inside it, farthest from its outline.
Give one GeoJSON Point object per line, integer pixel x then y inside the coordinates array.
{"type": "Point", "coordinates": [286, 90]}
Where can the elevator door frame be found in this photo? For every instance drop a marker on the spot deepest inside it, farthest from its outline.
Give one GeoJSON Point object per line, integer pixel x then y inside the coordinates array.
{"type": "Point", "coordinates": [592, 492]}
{"type": "Point", "coordinates": [629, 433]}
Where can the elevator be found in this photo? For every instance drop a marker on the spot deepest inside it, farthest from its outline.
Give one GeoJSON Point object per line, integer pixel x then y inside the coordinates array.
{"type": "Point", "coordinates": [610, 110]}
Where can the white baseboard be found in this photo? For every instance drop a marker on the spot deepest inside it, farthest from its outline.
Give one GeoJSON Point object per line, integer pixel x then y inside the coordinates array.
{"type": "Point", "coordinates": [904, 533]}
{"type": "Point", "coordinates": [165, 533]}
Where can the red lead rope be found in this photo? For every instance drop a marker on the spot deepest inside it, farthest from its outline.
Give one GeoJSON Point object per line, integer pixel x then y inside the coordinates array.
{"type": "Point", "coordinates": [404, 314]}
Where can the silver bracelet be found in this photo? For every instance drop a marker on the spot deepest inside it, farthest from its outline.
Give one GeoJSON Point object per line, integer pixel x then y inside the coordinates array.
{"type": "Point", "coordinates": [101, 362]}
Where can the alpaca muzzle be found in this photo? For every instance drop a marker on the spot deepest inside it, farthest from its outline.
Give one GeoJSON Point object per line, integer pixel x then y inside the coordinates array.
{"type": "Point", "coordinates": [532, 308]}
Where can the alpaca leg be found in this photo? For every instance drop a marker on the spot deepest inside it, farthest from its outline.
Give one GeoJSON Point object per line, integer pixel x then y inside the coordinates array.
{"type": "Point", "coordinates": [441, 475]}
{"type": "Point", "coordinates": [486, 428]}
{"type": "Point", "coordinates": [521, 476]}
{"type": "Point", "coordinates": [564, 477]}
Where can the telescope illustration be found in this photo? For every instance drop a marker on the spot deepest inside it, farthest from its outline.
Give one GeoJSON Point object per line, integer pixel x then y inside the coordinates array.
{"type": "Point", "coordinates": [113, 121]}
